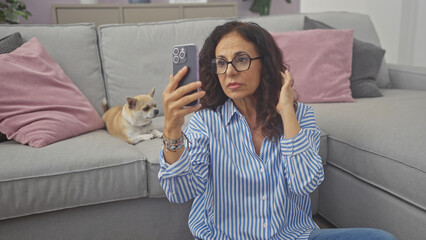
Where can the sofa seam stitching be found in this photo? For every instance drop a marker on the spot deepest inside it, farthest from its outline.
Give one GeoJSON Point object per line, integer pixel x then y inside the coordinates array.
{"type": "Point", "coordinates": [72, 172]}
{"type": "Point", "coordinates": [75, 206]}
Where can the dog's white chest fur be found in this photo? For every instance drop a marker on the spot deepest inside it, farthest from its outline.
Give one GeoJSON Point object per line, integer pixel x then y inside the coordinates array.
{"type": "Point", "coordinates": [134, 131]}
{"type": "Point", "coordinates": [140, 129]}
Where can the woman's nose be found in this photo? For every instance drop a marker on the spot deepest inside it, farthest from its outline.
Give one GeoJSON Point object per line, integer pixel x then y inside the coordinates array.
{"type": "Point", "coordinates": [231, 69]}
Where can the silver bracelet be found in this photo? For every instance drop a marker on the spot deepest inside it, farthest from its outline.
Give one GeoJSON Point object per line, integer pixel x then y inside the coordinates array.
{"type": "Point", "coordinates": [174, 145]}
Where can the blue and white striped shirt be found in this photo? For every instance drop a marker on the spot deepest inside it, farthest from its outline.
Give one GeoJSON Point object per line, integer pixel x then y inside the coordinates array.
{"type": "Point", "coordinates": [238, 194]}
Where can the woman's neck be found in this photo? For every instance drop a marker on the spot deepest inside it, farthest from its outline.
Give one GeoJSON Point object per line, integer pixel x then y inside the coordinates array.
{"type": "Point", "coordinates": [247, 107]}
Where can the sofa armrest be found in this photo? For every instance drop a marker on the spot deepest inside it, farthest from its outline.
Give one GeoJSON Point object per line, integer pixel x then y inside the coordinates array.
{"type": "Point", "coordinates": [407, 77]}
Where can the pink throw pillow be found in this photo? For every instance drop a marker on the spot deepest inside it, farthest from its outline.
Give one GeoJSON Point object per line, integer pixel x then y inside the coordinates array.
{"type": "Point", "coordinates": [320, 62]}
{"type": "Point", "coordinates": [39, 104]}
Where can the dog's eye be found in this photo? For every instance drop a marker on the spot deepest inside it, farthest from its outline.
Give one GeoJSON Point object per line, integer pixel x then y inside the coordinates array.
{"type": "Point", "coordinates": [146, 108]}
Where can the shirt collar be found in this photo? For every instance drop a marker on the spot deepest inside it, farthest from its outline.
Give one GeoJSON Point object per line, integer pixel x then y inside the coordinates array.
{"type": "Point", "coordinates": [229, 110]}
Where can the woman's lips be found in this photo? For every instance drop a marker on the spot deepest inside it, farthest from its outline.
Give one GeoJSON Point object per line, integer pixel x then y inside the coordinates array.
{"type": "Point", "coordinates": [234, 85]}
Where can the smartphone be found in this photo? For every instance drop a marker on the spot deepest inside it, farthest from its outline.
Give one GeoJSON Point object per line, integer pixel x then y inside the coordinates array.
{"type": "Point", "coordinates": [186, 55]}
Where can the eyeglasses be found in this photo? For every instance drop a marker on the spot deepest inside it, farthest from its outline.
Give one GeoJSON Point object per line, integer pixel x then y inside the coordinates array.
{"type": "Point", "coordinates": [240, 63]}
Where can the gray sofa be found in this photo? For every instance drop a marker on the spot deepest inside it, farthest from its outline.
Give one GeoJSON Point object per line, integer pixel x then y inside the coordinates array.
{"type": "Point", "coordinates": [95, 186]}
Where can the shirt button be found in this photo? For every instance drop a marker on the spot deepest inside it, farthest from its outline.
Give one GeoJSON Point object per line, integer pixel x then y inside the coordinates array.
{"type": "Point", "coordinates": [264, 225]}
{"type": "Point", "coordinates": [264, 198]}
{"type": "Point", "coordinates": [292, 176]}
{"type": "Point", "coordinates": [262, 170]}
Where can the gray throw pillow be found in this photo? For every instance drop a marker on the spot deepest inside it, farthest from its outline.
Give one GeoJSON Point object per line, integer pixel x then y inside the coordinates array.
{"type": "Point", "coordinates": [366, 61]}
{"type": "Point", "coordinates": [8, 44]}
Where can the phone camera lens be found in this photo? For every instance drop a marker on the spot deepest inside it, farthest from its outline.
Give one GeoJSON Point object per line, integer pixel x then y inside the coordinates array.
{"type": "Point", "coordinates": [182, 54]}
{"type": "Point", "coordinates": [175, 51]}
{"type": "Point", "coordinates": [175, 59]}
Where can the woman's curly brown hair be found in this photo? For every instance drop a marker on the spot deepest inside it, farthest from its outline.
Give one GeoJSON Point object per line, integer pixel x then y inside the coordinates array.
{"type": "Point", "coordinates": [267, 94]}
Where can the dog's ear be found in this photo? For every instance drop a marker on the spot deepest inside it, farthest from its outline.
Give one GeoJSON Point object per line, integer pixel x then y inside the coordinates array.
{"type": "Point", "coordinates": [151, 94]}
{"type": "Point", "coordinates": [131, 102]}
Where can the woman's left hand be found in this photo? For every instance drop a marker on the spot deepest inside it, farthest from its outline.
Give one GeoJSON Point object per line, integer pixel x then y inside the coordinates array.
{"type": "Point", "coordinates": [286, 94]}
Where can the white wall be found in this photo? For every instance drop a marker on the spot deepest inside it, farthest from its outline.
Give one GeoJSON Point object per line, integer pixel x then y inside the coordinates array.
{"type": "Point", "coordinates": [419, 56]}
{"type": "Point", "coordinates": [397, 22]}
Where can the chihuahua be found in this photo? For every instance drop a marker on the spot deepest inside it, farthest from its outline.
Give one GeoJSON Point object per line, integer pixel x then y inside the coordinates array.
{"type": "Point", "coordinates": [132, 122]}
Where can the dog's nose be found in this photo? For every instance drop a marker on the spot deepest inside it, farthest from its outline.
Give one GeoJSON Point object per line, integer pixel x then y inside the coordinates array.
{"type": "Point", "coordinates": [156, 111]}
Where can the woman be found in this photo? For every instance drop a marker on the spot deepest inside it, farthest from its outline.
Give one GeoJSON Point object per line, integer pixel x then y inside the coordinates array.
{"type": "Point", "coordinates": [251, 158]}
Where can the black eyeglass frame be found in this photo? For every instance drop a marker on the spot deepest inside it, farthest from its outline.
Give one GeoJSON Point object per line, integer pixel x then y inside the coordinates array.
{"type": "Point", "coordinates": [213, 64]}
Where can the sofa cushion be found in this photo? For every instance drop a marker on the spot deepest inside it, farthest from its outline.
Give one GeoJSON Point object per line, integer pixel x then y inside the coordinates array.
{"type": "Point", "coordinates": [7, 45]}
{"type": "Point", "coordinates": [88, 169]}
{"type": "Point", "coordinates": [145, 61]}
{"type": "Point", "coordinates": [363, 30]}
{"type": "Point", "coordinates": [55, 111]}
{"type": "Point", "coordinates": [320, 63]}
{"type": "Point", "coordinates": [10, 43]}
{"type": "Point", "coordinates": [277, 23]}
{"type": "Point", "coordinates": [75, 49]}
{"type": "Point", "coordinates": [366, 61]}
{"type": "Point", "coordinates": [380, 141]}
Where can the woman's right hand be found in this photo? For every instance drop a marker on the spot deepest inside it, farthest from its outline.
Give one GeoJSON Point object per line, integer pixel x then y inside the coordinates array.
{"type": "Point", "coordinates": [174, 101]}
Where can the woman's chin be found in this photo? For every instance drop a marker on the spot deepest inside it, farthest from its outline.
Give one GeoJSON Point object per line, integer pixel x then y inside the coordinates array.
{"type": "Point", "coordinates": [239, 95]}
